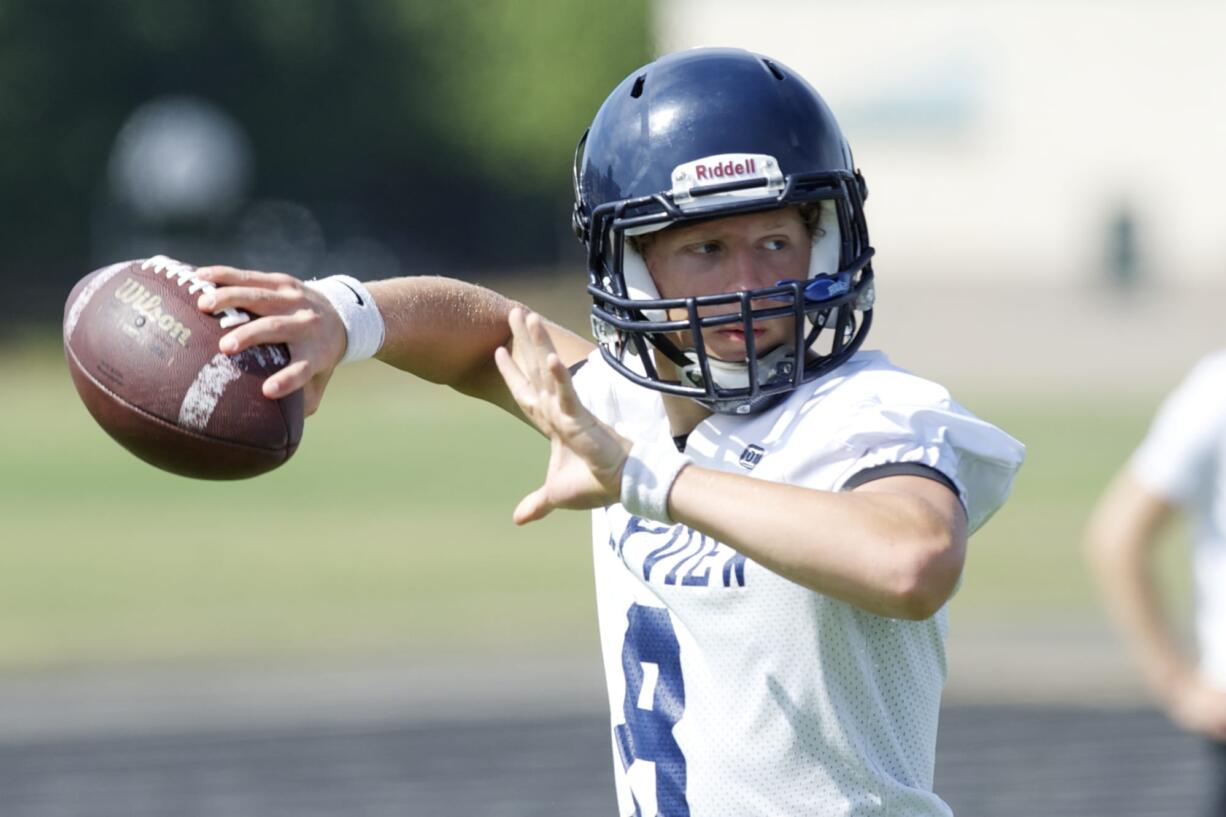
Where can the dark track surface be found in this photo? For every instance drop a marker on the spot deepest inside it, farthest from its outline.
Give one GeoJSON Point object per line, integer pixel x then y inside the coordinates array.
{"type": "Point", "coordinates": [992, 762]}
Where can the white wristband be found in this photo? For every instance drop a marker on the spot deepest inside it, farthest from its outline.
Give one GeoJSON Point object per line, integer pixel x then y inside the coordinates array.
{"type": "Point", "coordinates": [358, 311]}
{"type": "Point", "coordinates": [648, 477]}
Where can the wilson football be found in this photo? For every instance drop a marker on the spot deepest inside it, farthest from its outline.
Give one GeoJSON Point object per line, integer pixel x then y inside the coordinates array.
{"type": "Point", "coordinates": [145, 362]}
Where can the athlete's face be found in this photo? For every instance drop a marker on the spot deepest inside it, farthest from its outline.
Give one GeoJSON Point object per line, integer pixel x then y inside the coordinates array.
{"type": "Point", "coordinates": [729, 255]}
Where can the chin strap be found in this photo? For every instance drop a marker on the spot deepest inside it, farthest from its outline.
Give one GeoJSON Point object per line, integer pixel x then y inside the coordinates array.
{"type": "Point", "coordinates": [776, 363]}
{"type": "Point", "coordinates": [771, 367]}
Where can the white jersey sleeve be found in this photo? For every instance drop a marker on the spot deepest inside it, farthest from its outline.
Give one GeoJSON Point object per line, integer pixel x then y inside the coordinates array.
{"type": "Point", "coordinates": [1177, 457]}
{"type": "Point", "coordinates": [899, 418]}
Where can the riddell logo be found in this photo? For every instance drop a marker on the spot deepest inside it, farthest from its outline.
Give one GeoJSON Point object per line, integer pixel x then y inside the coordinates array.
{"type": "Point", "coordinates": [725, 170]}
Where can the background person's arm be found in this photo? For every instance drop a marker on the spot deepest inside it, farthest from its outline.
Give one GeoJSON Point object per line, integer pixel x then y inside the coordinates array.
{"type": "Point", "coordinates": [1121, 541]}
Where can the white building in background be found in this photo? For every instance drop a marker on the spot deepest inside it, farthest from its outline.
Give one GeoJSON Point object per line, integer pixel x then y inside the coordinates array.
{"type": "Point", "coordinates": [1001, 139]}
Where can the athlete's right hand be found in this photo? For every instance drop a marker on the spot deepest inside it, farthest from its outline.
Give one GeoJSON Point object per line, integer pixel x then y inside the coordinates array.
{"type": "Point", "coordinates": [287, 312]}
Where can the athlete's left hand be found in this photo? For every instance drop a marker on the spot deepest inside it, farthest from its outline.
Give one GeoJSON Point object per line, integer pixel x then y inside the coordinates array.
{"type": "Point", "coordinates": [585, 455]}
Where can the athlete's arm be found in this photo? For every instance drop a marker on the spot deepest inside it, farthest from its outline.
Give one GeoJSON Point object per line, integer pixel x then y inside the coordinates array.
{"type": "Point", "coordinates": [439, 329]}
{"type": "Point", "coordinates": [1121, 541]}
{"type": "Point", "coordinates": [894, 546]}
{"type": "Point", "coordinates": [446, 331]}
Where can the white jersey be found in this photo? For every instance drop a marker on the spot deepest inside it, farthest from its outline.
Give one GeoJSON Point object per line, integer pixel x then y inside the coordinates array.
{"type": "Point", "coordinates": [735, 692]}
{"type": "Point", "coordinates": [1183, 459]}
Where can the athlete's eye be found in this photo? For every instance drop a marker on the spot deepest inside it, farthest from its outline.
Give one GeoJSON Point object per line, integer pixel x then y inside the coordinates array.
{"type": "Point", "coordinates": [705, 247]}
{"type": "Point", "coordinates": [775, 243]}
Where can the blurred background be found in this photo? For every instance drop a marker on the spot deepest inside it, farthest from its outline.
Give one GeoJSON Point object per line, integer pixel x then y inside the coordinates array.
{"type": "Point", "coordinates": [364, 629]}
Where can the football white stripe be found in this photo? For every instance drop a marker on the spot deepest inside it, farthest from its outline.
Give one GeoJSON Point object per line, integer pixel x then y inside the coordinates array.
{"type": "Point", "coordinates": [87, 293]}
{"type": "Point", "coordinates": [206, 391]}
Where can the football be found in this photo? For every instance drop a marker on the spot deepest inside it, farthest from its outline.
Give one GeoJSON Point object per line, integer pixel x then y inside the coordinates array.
{"type": "Point", "coordinates": [145, 362]}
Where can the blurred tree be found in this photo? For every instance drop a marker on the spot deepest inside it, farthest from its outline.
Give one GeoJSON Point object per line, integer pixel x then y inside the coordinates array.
{"type": "Point", "coordinates": [443, 130]}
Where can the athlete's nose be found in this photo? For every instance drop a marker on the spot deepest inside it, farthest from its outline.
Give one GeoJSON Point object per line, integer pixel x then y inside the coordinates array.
{"type": "Point", "coordinates": [744, 272]}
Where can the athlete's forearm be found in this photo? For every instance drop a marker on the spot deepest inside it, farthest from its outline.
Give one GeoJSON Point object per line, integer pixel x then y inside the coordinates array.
{"type": "Point", "coordinates": [446, 331]}
{"type": "Point", "coordinates": [890, 552]}
{"type": "Point", "coordinates": [440, 329]}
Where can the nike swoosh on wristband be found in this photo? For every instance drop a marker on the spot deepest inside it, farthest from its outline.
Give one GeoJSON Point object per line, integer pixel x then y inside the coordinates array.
{"type": "Point", "coordinates": [355, 293]}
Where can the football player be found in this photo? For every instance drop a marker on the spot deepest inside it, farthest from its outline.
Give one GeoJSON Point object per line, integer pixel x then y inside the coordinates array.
{"type": "Point", "coordinates": [1178, 468]}
{"type": "Point", "coordinates": [779, 518]}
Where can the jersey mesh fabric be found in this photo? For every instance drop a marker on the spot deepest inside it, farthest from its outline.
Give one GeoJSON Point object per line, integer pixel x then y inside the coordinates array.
{"type": "Point", "coordinates": [1183, 459]}
{"type": "Point", "coordinates": [734, 692]}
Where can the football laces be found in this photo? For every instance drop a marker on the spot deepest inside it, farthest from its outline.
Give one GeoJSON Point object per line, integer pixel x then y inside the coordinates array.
{"type": "Point", "coordinates": [186, 275]}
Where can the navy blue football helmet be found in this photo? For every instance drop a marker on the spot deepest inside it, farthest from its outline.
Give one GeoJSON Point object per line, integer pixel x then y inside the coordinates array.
{"type": "Point", "coordinates": [704, 134]}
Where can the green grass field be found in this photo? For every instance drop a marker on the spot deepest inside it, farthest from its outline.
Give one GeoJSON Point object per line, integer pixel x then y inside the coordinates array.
{"type": "Point", "coordinates": [390, 533]}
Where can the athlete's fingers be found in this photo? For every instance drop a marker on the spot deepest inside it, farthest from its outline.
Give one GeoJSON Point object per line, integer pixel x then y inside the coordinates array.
{"type": "Point", "coordinates": [232, 276]}
{"type": "Point", "coordinates": [543, 350]}
{"type": "Point", "coordinates": [259, 300]}
{"type": "Point", "coordinates": [289, 379]}
{"type": "Point", "coordinates": [549, 382]}
{"type": "Point", "coordinates": [270, 329]}
{"type": "Point", "coordinates": [510, 371]}
{"type": "Point", "coordinates": [522, 391]}
{"type": "Point", "coordinates": [539, 334]}
{"type": "Point", "coordinates": [313, 392]}
{"type": "Point", "coordinates": [532, 507]}
{"type": "Point", "coordinates": [527, 331]}
{"type": "Point", "coordinates": [568, 398]}
{"type": "Point", "coordinates": [523, 350]}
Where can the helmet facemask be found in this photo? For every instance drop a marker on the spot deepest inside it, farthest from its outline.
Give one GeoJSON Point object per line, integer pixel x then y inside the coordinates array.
{"type": "Point", "coordinates": [830, 310]}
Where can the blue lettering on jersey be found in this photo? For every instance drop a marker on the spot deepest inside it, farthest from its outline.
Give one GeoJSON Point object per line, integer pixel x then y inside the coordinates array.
{"type": "Point", "coordinates": [637, 524]}
{"type": "Point", "coordinates": [735, 565]}
{"type": "Point", "coordinates": [686, 557]}
{"type": "Point", "coordinates": [647, 734]}
{"type": "Point", "coordinates": [665, 550]}
{"type": "Point", "coordinates": [707, 547]}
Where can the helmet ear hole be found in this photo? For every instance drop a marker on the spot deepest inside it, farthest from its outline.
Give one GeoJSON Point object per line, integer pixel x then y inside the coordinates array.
{"type": "Point", "coordinates": [640, 286]}
{"type": "Point", "coordinates": [827, 249]}
{"type": "Point", "coordinates": [578, 223]}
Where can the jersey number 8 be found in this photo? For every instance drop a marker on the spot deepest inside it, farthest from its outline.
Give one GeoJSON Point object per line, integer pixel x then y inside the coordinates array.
{"type": "Point", "coordinates": [647, 734]}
